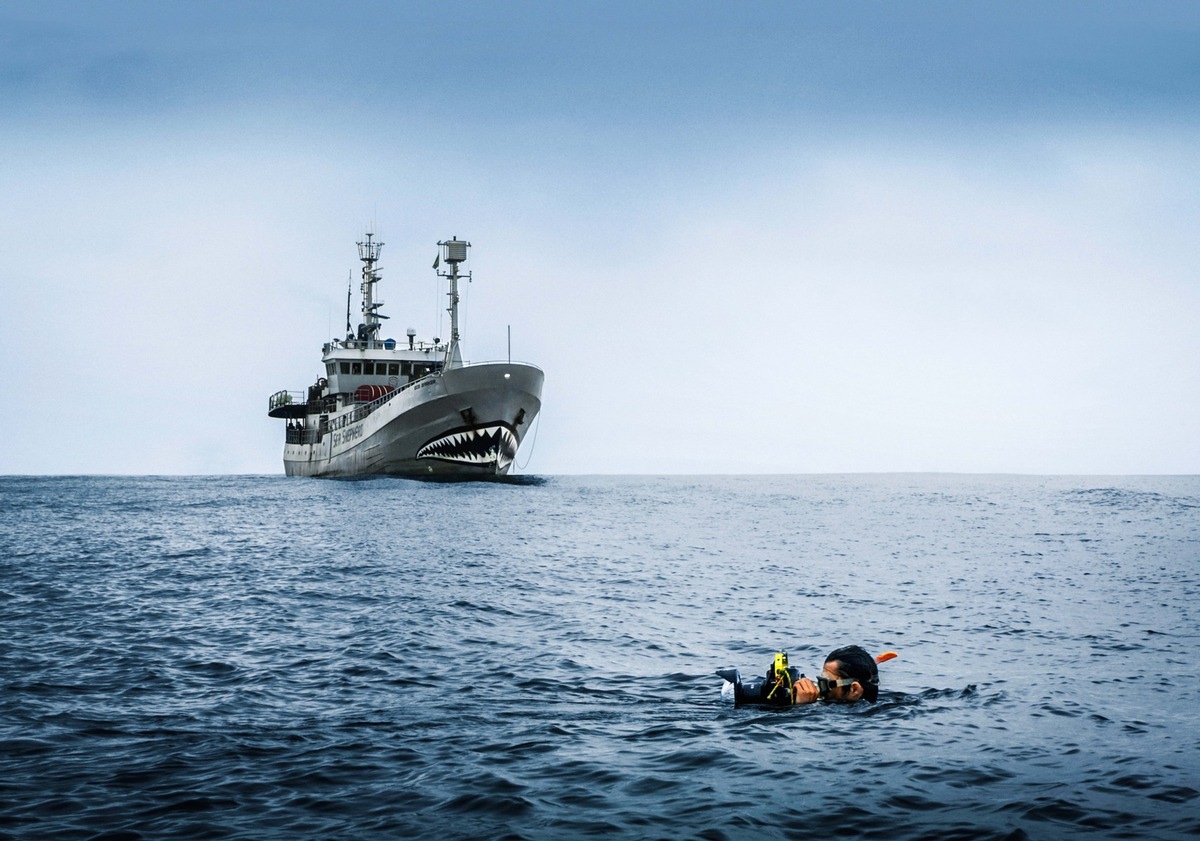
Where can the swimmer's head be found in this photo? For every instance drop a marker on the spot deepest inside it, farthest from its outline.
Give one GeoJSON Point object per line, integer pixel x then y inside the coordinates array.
{"type": "Point", "coordinates": [854, 662]}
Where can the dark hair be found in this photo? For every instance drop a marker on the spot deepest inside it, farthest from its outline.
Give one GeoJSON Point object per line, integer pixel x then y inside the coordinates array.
{"type": "Point", "coordinates": [854, 661]}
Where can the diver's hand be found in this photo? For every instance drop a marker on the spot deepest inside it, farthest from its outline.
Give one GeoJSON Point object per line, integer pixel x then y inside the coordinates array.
{"type": "Point", "coordinates": [804, 691]}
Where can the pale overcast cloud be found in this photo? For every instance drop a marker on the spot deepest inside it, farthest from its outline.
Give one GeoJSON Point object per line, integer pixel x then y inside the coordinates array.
{"type": "Point", "coordinates": [738, 238]}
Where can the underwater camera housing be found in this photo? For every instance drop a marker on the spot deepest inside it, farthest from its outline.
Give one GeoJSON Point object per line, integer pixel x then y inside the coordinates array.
{"type": "Point", "coordinates": [773, 689]}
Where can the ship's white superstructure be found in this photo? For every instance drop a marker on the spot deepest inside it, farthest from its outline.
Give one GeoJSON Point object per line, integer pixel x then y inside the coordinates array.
{"type": "Point", "coordinates": [407, 408]}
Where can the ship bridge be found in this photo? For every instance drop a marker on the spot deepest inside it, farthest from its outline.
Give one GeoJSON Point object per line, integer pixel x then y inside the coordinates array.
{"type": "Point", "coordinates": [353, 363]}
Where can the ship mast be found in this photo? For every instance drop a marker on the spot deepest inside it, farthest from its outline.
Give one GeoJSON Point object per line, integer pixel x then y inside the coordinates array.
{"type": "Point", "coordinates": [454, 251]}
{"type": "Point", "coordinates": [368, 252]}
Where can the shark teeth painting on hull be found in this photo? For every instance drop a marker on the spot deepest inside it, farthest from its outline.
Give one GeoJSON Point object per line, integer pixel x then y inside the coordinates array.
{"type": "Point", "coordinates": [483, 444]}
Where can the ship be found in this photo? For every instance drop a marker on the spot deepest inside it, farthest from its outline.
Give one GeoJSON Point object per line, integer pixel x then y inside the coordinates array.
{"type": "Point", "coordinates": [407, 408]}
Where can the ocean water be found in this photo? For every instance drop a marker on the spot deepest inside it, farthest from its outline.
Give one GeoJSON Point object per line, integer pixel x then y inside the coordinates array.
{"type": "Point", "coordinates": [261, 657]}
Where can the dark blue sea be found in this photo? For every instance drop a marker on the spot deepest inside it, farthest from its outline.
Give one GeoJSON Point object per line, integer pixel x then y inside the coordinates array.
{"type": "Point", "coordinates": [270, 658]}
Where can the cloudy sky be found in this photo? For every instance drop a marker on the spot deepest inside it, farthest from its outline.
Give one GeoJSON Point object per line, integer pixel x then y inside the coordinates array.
{"type": "Point", "coordinates": [738, 237]}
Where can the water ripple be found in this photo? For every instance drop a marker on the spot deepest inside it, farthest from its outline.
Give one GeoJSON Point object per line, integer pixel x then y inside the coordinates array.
{"type": "Point", "coordinates": [260, 658]}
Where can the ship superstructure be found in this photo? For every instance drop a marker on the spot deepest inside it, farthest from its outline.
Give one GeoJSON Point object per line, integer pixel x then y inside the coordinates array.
{"type": "Point", "coordinates": [407, 408]}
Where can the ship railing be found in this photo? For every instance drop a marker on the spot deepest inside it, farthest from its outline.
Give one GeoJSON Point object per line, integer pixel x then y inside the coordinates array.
{"type": "Point", "coordinates": [381, 344]}
{"type": "Point", "coordinates": [500, 362]}
{"type": "Point", "coordinates": [362, 410]}
{"type": "Point", "coordinates": [296, 435]}
{"type": "Point", "coordinates": [284, 398]}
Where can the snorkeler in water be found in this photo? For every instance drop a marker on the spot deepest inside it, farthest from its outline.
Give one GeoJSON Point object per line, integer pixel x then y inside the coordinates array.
{"type": "Point", "coordinates": [849, 675]}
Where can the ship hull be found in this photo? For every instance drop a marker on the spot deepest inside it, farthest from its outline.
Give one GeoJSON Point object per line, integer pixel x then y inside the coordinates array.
{"type": "Point", "coordinates": [465, 422]}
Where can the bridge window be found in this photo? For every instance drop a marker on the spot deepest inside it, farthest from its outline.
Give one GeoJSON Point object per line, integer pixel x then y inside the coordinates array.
{"type": "Point", "coordinates": [345, 367]}
{"type": "Point", "coordinates": [355, 367]}
{"type": "Point", "coordinates": [369, 368]}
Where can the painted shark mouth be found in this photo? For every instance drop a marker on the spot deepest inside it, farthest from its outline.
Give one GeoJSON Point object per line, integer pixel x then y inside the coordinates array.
{"type": "Point", "coordinates": [481, 444]}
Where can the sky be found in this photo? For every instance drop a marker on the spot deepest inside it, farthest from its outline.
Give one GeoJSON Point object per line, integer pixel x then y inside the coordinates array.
{"type": "Point", "coordinates": [760, 237]}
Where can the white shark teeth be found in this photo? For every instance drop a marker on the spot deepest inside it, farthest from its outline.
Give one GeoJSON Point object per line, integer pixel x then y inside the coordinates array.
{"type": "Point", "coordinates": [494, 443]}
